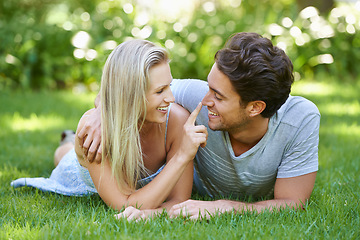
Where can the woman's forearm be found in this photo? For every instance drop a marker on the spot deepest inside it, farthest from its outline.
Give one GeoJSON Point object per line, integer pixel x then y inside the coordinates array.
{"type": "Point", "coordinates": [157, 191]}
{"type": "Point", "coordinates": [150, 196]}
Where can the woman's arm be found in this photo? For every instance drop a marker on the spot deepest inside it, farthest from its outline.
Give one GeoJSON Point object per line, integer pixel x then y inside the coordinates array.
{"type": "Point", "coordinates": [182, 189]}
{"type": "Point", "coordinates": [158, 190]}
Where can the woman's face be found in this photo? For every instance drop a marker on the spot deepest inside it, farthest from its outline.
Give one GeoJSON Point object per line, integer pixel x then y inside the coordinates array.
{"type": "Point", "coordinates": [159, 95]}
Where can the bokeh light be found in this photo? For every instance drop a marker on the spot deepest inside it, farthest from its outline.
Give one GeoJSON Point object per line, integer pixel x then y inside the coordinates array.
{"type": "Point", "coordinates": [81, 39]}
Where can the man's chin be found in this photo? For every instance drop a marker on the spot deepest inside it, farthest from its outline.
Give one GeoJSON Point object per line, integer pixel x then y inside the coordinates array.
{"type": "Point", "coordinates": [213, 127]}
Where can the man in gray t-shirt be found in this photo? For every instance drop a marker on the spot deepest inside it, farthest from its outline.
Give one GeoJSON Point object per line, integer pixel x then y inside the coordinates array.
{"type": "Point", "coordinates": [262, 141]}
{"type": "Point", "coordinates": [288, 148]}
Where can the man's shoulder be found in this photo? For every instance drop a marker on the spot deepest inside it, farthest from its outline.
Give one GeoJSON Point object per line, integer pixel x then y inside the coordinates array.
{"type": "Point", "coordinates": [299, 105]}
{"type": "Point", "coordinates": [296, 109]}
{"type": "Point", "coordinates": [189, 80]}
{"type": "Point", "coordinates": [189, 92]}
{"type": "Point", "coordinates": [188, 84]}
{"type": "Point", "coordinates": [303, 102]}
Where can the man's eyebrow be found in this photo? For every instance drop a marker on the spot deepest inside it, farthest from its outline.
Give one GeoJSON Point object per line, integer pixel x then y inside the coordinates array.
{"type": "Point", "coordinates": [222, 95]}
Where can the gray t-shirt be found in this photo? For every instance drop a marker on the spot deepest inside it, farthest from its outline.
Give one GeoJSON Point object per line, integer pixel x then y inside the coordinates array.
{"type": "Point", "coordinates": [288, 149]}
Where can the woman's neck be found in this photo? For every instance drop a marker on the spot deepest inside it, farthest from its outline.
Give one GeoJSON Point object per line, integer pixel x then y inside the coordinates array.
{"type": "Point", "coordinates": [147, 127]}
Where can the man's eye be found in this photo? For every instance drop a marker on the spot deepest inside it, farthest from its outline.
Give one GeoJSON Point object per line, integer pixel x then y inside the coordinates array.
{"type": "Point", "coordinates": [217, 97]}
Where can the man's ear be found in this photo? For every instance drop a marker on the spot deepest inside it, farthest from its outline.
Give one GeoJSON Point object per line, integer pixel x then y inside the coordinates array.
{"type": "Point", "coordinates": [256, 107]}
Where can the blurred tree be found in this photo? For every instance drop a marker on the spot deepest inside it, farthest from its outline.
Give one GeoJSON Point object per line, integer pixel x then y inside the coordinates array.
{"type": "Point", "coordinates": [324, 6]}
{"type": "Point", "coordinates": [63, 43]}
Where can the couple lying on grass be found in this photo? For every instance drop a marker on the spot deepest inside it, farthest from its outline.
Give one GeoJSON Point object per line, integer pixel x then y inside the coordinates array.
{"type": "Point", "coordinates": [142, 152]}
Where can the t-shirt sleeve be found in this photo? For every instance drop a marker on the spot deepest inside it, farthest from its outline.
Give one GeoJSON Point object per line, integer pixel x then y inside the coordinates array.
{"type": "Point", "coordinates": [301, 156]}
{"type": "Point", "coordinates": [189, 92]}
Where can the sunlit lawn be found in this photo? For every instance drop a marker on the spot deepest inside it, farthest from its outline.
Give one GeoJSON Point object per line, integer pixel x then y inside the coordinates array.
{"type": "Point", "coordinates": [31, 124]}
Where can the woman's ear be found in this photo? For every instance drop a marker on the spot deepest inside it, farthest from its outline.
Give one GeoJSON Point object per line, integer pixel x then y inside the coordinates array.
{"type": "Point", "coordinates": [256, 107]}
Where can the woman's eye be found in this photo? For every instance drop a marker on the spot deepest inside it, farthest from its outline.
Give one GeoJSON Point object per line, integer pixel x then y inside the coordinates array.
{"type": "Point", "coordinates": [160, 91]}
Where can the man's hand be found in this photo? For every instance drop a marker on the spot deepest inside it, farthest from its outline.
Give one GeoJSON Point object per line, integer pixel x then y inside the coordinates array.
{"type": "Point", "coordinates": [196, 210]}
{"type": "Point", "coordinates": [288, 193]}
{"type": "Point", "coordinates": [90, 136]}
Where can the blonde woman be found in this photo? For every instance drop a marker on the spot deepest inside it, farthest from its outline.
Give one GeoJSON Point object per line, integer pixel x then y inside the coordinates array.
{"type": "Point", "coordinates": [148, 144]}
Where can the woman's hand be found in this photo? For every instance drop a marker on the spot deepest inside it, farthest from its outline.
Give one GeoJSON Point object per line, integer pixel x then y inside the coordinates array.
{"type": "Point", "coordinates": [194, 136]}
{"type": "Point", "coordinates": [134, 214]}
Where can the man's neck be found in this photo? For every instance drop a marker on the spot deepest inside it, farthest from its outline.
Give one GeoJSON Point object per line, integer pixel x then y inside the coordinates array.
{"type": "Point", "coordinates": [244, 140]}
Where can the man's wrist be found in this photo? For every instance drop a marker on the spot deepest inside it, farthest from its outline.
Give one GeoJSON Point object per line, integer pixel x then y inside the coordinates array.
{"type": "Point", "coordinates": [225, 205]}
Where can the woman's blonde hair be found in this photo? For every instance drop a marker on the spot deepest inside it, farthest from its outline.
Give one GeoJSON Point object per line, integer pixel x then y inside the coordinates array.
{"type": "Point", "coordinates": [124, 83]}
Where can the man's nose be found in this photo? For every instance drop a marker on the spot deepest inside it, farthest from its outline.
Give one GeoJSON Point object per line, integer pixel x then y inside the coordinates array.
{"type": "Point", "coordinates": [207, 101]}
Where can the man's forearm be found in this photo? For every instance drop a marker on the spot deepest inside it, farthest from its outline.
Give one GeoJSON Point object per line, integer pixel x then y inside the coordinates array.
{"type": "Point", "coordinates": [271, 205]}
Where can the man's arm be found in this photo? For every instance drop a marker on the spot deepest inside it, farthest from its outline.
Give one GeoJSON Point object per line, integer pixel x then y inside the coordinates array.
{"type": "Point", "coordinates": [97, 101]}
{"type": "Point", "coordinates": [288, 192]}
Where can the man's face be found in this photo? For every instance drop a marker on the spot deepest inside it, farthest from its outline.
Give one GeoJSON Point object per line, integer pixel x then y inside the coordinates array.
{"type": "Point", "coordinates": [224, 110]}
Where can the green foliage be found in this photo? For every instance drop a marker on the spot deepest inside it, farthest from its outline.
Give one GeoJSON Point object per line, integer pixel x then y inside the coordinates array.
{"type": "Point", "coordinates": [329, 43]}
{"type": "Point", "coordinates": [31, 123]}
{"type": "Point", "coordinates": [39, 49]}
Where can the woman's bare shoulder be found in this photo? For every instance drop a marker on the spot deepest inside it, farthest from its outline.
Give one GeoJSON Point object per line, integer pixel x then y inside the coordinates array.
{"type": "Point", "coordinates": [178, 114]}
{"type": "Point", "coordinates": [177, 118]}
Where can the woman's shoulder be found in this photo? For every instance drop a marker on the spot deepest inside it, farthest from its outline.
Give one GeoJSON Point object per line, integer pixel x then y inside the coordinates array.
{"type": "Point", "coordinates": [178, 115]}
{"type": "Point", "coordinates": [177, 118]}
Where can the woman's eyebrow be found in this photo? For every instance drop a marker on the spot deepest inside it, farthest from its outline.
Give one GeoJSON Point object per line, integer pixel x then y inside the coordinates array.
{"type": "Point", "coordinates": [162, 86]}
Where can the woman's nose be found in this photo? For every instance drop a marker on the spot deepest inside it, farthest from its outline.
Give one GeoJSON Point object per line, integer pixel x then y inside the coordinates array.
{"type": "Point", "coordinates": [170, 97]}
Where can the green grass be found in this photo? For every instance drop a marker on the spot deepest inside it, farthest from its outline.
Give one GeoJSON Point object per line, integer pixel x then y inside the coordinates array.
{"type": "Point", "coordinates": [31, 123]}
